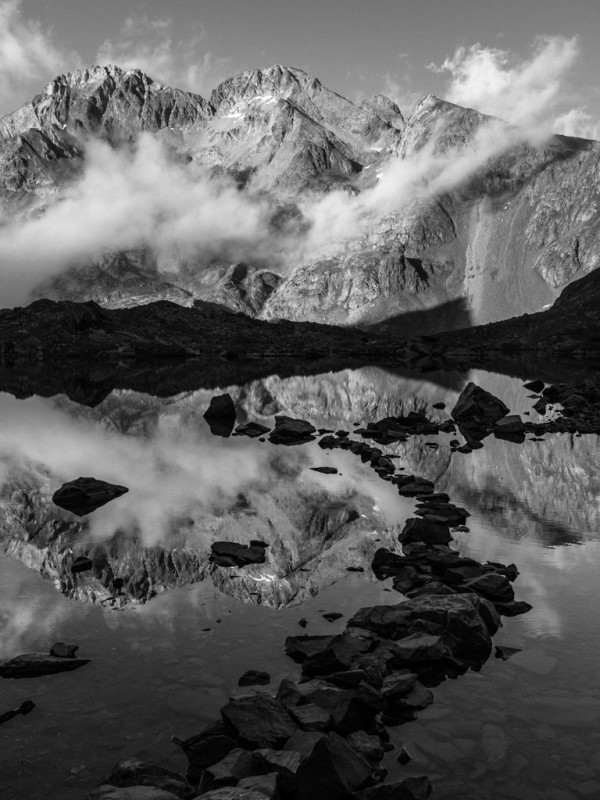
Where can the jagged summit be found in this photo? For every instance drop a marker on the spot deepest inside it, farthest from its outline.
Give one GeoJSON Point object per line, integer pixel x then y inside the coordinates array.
{"type": "Point", "coordinates": [109, 100]}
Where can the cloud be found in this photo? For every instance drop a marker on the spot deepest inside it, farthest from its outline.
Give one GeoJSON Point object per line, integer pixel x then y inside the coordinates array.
{"type": "Point", "coordinates": [134, 197]}
{"type": "Point", "coordinates": [532, 92]}
{"type": "Point", "coordinates": [148, 44]}
{"type": "Point", "coordinates": [28, 55]}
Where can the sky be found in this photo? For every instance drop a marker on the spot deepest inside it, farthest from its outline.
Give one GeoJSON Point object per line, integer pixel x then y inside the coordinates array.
{"type": "Point", "coordinates": [357, 48]}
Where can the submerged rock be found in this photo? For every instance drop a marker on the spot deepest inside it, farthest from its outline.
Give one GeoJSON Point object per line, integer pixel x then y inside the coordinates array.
{"type": "Point", "coordinates": [24, 709]}
{"type": "Point", "coordinates": [32, 665]}
{"type": "Point", "coordinates": [84, 495]}
{"type": "Point", "coordinates": [108, 792]}
{"type": "Point", "coordinates": [251, 429]}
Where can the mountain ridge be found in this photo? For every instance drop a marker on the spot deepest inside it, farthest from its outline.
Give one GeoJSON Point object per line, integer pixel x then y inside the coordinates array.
{"type": "Point", "coordinates": [517, 229]}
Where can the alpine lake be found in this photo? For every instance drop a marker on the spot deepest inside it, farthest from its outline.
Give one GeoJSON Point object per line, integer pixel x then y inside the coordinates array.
{"type": "Point", "coordinates": [168, 632]}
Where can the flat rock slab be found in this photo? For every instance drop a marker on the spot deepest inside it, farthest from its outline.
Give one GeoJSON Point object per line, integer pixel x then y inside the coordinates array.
{"type": "Point", "coordinates": [84, 495]}
{"type": "Point", "coordinates": [33, 665]}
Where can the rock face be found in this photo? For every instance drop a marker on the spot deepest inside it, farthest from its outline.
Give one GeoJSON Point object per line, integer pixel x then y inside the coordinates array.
{"type": "Point", "coordinates": [500, 243]}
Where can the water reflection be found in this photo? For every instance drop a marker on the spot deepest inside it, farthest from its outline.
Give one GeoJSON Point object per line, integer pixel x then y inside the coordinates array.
{"type": "Point", "coordinates": [535, 504]}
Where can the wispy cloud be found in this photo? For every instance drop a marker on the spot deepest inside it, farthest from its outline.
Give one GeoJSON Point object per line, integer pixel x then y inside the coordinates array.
{"type": "Point", "coordinates": [148, 44]}
{"type": "Point", "coordinates": [29, 54]}
{"type": "Point", "coordinates": [533, 92]}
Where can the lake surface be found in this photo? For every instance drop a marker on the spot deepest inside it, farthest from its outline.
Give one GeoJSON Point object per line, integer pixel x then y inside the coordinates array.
{"type": "Point", "coordinates": [170, 642]}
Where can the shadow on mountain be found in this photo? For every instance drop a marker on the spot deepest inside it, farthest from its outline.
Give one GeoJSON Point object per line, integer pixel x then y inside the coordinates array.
{"type": "Point", "coordinates": [449, 316]}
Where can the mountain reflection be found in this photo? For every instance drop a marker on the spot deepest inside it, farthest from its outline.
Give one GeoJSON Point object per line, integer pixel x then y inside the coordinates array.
{"type": "Point", "coordinates": [188, 489]}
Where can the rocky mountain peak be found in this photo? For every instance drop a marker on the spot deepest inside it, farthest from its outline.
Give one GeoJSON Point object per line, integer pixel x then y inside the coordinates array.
{"type": "Point", "coordinates": [109, 100]}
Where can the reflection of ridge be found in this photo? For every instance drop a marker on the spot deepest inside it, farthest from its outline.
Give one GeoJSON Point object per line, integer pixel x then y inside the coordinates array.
{"type": "Point", "coordinates": [494, 506]}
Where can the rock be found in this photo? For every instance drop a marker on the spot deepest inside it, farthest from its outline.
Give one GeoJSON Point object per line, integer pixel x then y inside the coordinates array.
{"type": "Point", "coordinates": [422, 530]}
{"type": "Point", "coordinates": [351, 709]}
{"type": "Point", "coordinates": [492, 585]}
{"type": "Point", "coordinates": [333, 656]}
{"type": "Point", "coordinates": [504, 652]}
{"type": "Point", "coordinates": [24, 709]}
{"type": "Point", "coordinates": [231, 793]}
{"type": "Point", "coordinates": [513, 608]}
{"type": "Point", "coordinates": [398, 684]}
{"type": "Point", "coordinates": [535, 386]}
{"type": "Point", "coordinates": [221, 407]}
{"type": "Point", "coordinates": [266, 785]}
{"type": "Point", "coordinates": [232, 554]}
{"type": "Point", "coordinates": [439, 406]}
{"type": "Point", "coordinates": [419, 647]}
{"type": "Point", "coordinates": [408, 789]}
{"type": "Point", "coordinates": [311, 717]}
{"type": "Point", "coordinates": [237, 764]}
{"type": "Point", "coordinates": [221, 415]}
{"type": "Point", "coordinates": [333, 770]}
{"type": "Point", "coordinates": [291, 431]}
{"type": "Point", "coordinates": [251, 429]}
{"type": "Point", "coordinates": [107, 792]}
{"type": "Point", "coordinates": [325, 470]}
{"type": "Point", "coordinates": [367, 745]}
{"type": "Point", "coordinates": [84, 495]}
{"type": "Point", "coordinates": [332, 616]}
{"type": "Point", "coordinates": [258, 721]}
{"type": "Point", "coordinates": [512, 423]}
{"type": "Point", "coordinates": [456, 619]}
{"type": "Point", "coordinates": [253, 678]}
{"type": "Point", "coordinates": [299, 648]}
{"type": "Point", "coordinates": [63, 650]}
{"type": "Point", "coordinates": [204, 750]}
{"type": "Point", "coordinates": [133, 772]}
{"type": "Point", "coordinates": [81, 564]}
{"type": "Point", "coordinates": [32, 665]}
{"type": "Point", "coordinates": [476, 405]}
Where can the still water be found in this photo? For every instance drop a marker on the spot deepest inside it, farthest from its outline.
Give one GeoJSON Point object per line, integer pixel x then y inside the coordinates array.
{"type": "Point", "coordinates": [169, 645]}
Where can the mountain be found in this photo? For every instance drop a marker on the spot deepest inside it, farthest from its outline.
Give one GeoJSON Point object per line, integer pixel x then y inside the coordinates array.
{"type": "Point", "coordinates": [516, 224]}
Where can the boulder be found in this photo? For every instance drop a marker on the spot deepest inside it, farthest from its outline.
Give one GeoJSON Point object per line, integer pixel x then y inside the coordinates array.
{"type": "Point", "coordinates": [325, 470]}
{"type": "Point", "coordinates": [84, 495]}
{"type": "Point", "coordinates": [333, 770]}
{"type": "Point", "coordinates": [25, 708]}
{"type": "Point", "coordinates": [291, 431]}
{"type": "Point", "coordinates": [254, 678]}
{"type": "Point", "coordinates": [258, 721]}
{"type": "Point", "coordinates": [368, 745]}
{"type": "Point", "coordinates": [220, 415]}
{"type": "Point", "coordinates": [311, 717]}
{"type": "Point", "coordinates": [476, 405]}
{"type": "Point", "coordinates": [81, 564]}
{"type": "Point", "coordinates": [408, 789]}
{"type": "Point", "coordinates": [266, 785]}
{"type": "Point", "coordinates": [455, 618]}
{"type": "Point", "coordinates": [133, 772]}
{"type": "Point", "coordinates": [230, 793]}
{"type": "Point", "coordinates": [232, 554]}
{"type": "Point", "coordinates": [63, 650]}
{"type": "Point", "coordinates": [351, 709]}
{"type": "Point", "coordinates": [535, 386]}
{"type": "Point", "coordinates": [251, 429]}
{"type": "Point", "coordinates": [509, 424]}
{"type": "Point", "coordinates": [107, 792]}
{"type": "Point", "coordinates": [334, 656]}
{"type": "Point", "coordinates": [237, 764]}
{"type": "Point", "coordinates": [32, 665]}
{"type": "Point", "coordinates": [492, 585]}
{"type": "Point", "coordinates": [423, 530]}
